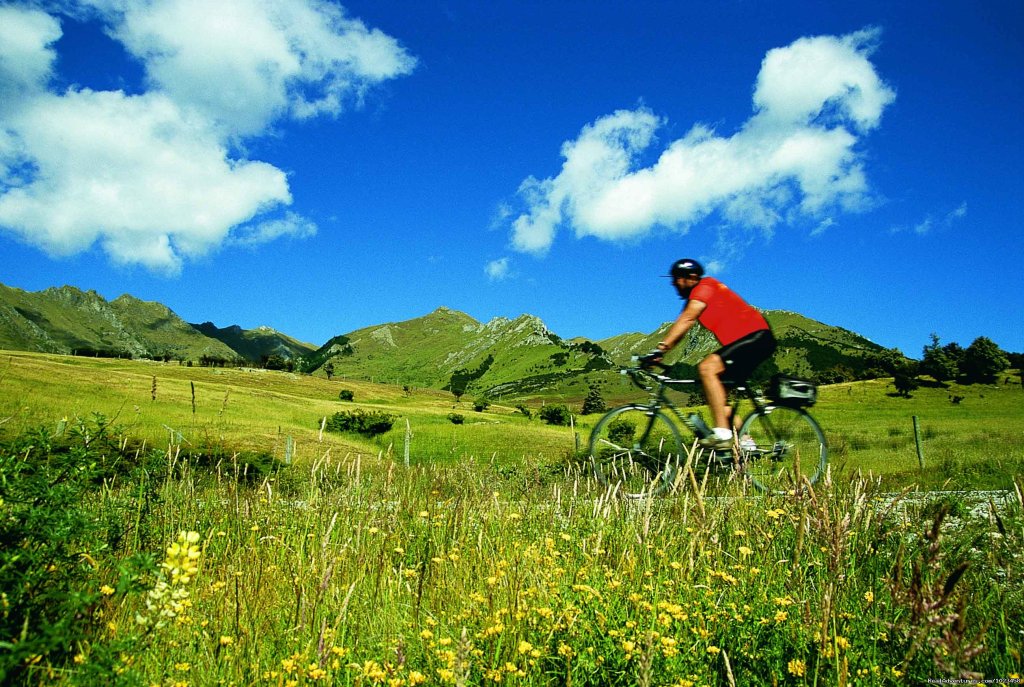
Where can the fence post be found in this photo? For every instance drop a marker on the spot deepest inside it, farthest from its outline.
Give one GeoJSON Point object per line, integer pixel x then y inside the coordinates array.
{"type": "Point", "coordinates": [917, 442]}
{"type": "Point", "coordinates": [408, 440]}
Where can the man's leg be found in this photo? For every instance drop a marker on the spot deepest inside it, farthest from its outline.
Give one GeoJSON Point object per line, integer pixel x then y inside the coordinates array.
{"type": "Point", "coordinates": [714, 391]}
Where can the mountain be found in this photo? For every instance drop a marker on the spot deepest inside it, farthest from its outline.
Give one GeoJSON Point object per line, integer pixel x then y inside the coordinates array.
{"type": "Point", "coordinates": [68, 320]}
{"type": "Point", "coordinates": [445, 349]}
{"type": "Point", "coordinates": [501, 357]}
{"type": "Point", "coordinates": [256, 344]}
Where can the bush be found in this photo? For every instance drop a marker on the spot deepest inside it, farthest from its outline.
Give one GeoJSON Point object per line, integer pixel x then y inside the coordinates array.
{"type": "Point", "coordinates": [594, 402]}
{"type": "Point", "coordinates": [983, 362]}
{"type": "Point", "coordinates": [481, 404]}
{"type": "Point", "coordinates": [49, 531]}
{"type": "Point", "coordinates": [367, 423]}
{"type": "Point", "coordinates": [456, 418]}
{"type": "Point", "coordinates": [556, 414]}
{"type": "Point", "coordinates": [524, 410]}
{"type": "Point", "coordinates": [621, 431]}
{"type": "Point", "coordinates": [346, 395]}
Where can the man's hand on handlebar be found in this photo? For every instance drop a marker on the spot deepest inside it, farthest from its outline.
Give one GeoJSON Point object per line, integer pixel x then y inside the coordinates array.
{"type": "Point", "coordinates": [651, 359]}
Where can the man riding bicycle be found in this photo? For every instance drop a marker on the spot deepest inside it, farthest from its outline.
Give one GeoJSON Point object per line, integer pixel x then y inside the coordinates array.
{"type": "Point", "coordinates": [744, 335]}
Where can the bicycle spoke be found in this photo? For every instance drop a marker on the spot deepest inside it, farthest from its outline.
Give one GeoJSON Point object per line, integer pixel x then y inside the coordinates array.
{"type": "Point", "coordinates": [782, 448]}
{"type": "Point", "coordinates": [635, 450]}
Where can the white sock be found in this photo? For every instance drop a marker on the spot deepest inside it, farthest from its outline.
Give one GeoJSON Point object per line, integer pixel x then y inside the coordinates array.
{"type": "Point", "coordinates": [723, 433]}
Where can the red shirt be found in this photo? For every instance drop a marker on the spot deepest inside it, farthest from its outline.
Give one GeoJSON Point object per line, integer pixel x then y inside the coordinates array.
{"type": "Point", "coordinates": [727, 316]}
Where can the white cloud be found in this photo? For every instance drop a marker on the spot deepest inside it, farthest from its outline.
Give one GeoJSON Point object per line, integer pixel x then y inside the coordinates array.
{"type": "Point", "coordinates": [930, 223]}
{"type": "Point", "coordinates": [291, 225]}
{"type": "Point", "coordinates": [156, 179]}
{"type": "Point", "coordinates": [497, 270]}
{"type": "Point", "coordinates": [26, 58]}
{"type": "Point", "coordinates": [796, 156]}
{"type": "Point", "coordinates": [135, 174]}
{"type": "Point", "coordinates": [247, 62]}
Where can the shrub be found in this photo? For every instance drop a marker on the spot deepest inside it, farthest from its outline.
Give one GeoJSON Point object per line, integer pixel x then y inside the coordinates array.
{"type": "Point", "coordinates": [524, 410]}
{"type": "Point", "coordinates": [594, 402]}
{"type": "Point", "coordinates": [621, 432]}
{"type": "Point", "coordinates": [481, 404]}
{"type": "Point", "coordinates": [346, 395]}
{"type": "Point", "coordinates": [367, 423]}
{"type": "Point", "coordinates": [555, 414]}
{"type": "Point", "coordinates": [456, 418]}
{"type": "Point", "coordinates": [50, 531]}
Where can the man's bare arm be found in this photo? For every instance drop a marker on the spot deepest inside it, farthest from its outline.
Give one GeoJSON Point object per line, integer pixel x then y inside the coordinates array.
{"type": "Point", "coordinates": [683, 323]}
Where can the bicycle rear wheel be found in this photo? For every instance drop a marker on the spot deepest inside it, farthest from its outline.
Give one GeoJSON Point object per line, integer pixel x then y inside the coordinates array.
{"type": "Point", "coordinates": [637, 450]}
{"type": "Point", "coordinates": [781, 447]}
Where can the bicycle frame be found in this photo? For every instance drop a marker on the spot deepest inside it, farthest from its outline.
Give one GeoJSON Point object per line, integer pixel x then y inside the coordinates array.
{"type": "Point", "coordinates": [659, 399]}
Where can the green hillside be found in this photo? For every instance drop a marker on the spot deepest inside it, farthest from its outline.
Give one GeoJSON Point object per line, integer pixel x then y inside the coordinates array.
{"type": "Point", "coordinates": [522, 358]}
{"type": "Point", "coordinates": [256, 344]}
{"type": "Point", "coordinates": [504, 358]}
{"type": "Point", "coordinates": [68, 320]}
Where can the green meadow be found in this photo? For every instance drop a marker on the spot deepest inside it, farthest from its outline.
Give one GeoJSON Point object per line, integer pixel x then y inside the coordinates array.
{"type": "Point", "coordinates": [173, 525]}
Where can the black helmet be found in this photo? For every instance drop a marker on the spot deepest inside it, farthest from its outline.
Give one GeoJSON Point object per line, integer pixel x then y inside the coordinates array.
{"type": "Point", "coordinates": [686, 267]}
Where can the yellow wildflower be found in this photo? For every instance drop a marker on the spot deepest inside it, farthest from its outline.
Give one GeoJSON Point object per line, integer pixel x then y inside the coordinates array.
{"type": "Point", "coordinates": [796, 667]}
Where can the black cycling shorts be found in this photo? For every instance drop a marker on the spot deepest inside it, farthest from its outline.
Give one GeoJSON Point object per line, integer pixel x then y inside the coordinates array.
{"type": "Point", "coordinates": [742, 356]}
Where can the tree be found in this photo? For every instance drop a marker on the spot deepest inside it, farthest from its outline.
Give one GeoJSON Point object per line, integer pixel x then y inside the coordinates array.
{"type": "Point", "coordinates": [983, 362]}
{"type": "Point", "coordinates": [368, 423]}
{"type": "Point", "coordinates": [594, 402]}
{"type": "Point", "coordinates": [905, 383]}
{"type": "Point", "coordinates": [329, 370]}
{"type": "Point", "coordinates": [939, 362]}
{"type": "Point", "coordinates": [274, 362]}
{"type": "Point", "coordinates": [555, 414]}
{"type": "Point", "coordinates": [891, 361]}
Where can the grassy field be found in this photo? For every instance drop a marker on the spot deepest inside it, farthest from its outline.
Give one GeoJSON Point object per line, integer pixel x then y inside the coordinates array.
{"type": "Point", "coordinates": [973, 444]}
{"type": "Point", "coordinates": [136, 551]}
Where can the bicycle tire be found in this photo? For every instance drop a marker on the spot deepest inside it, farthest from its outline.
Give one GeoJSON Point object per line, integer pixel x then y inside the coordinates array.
{"type": "Point", "coordinates": [782, 449]}
{"type": "Point", "coordinates": [636, 450]}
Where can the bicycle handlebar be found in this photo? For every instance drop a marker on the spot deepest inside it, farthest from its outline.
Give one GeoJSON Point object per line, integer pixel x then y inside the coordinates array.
{"type": "Point", "coordinates": [642, 372]}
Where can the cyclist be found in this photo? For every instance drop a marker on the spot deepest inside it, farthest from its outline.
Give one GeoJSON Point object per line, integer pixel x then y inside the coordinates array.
{"type": "Point", "coordinates": [744, 335]}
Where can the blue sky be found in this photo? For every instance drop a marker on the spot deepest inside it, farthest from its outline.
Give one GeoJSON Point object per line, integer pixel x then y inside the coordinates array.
{"type": "Point", "coordinates": [318, 167]}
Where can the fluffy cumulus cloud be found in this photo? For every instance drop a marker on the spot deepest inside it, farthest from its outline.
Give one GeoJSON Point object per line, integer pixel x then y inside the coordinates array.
{"type": "Point", "coordinates": [156, 177]}
{"type": "Point", "coordinates": [497, 270]}
{"type": "Point", "coordinates": [796, 156]}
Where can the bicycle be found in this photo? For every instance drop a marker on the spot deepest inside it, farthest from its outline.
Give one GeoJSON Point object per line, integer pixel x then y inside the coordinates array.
{"type": "Point", "coordinates": [638, 450]}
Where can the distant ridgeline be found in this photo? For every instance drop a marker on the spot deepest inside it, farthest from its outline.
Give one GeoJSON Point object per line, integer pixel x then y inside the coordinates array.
{"type": "Point", "coordinates": [444, 350]}
{"type": "Point", "coordinates": [74, 322]}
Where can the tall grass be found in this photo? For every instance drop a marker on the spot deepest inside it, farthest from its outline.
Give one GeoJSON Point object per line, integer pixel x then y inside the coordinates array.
{"type": "Point", "coordinates": [346, 569]}
{"type": "Point", "coordinates": [144, 543]}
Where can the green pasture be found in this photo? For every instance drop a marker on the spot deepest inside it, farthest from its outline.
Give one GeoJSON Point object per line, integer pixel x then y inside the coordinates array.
{"type": "Point", "coordinates": [972, 444]}
{"type": "Point", "coordinates": [130, 557]}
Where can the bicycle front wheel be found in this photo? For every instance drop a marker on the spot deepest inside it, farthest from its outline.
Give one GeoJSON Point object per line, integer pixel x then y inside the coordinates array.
{"type": "Point", "coordinates": [781, 449]}
{"type": "Point", "coordinates": [636, 450]}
